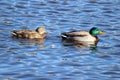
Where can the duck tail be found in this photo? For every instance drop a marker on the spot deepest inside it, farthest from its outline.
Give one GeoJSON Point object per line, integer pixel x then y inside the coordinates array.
{"type": "Point", "coordinates": [64, 36]}
{"type": "Point", "coordinates": [13, 33]}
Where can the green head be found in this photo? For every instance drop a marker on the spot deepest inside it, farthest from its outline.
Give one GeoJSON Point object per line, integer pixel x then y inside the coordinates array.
{"type": "Point", "coordinates": [95, 31]}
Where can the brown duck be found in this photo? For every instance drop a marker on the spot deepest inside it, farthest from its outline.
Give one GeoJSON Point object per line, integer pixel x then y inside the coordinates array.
{"type": "Point", "coordinates": [30, 34]}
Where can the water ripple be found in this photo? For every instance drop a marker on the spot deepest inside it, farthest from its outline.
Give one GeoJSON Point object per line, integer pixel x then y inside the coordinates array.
{"type": "Point", "coordinates": [50, 59]}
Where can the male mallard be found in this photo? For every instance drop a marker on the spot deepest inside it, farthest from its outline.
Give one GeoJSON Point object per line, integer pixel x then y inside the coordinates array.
{"type": "Point", "coordinates": [30, 34]}
{"type": "Point", "coordinates": [83, 37]}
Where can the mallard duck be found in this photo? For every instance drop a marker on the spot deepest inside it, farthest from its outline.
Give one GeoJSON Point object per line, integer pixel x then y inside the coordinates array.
{"type": "Point", "coordinates": [83, 37]}
{"type": "Point", "coordinates": [30, 34]}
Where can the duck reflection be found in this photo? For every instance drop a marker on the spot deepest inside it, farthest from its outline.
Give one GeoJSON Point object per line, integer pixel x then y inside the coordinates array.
{"type": "Point", "coordinates": [30, 41]}
{"type": "Point", "coordinates": [80, 44]}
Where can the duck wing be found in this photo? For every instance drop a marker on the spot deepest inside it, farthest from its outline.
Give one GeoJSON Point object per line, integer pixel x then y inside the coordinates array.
{"type": "Point", "coordinates": [75, 34]}
{"type": "Point", "coordinates": [17, 32]}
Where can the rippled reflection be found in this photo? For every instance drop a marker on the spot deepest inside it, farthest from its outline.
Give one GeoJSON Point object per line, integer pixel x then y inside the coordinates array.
{"type": "Point", "coordinates": [49, 59]}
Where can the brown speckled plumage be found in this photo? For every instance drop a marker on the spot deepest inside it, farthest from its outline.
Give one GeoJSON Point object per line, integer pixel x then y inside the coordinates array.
{"type": "Point", "coordinates": [30, 34]}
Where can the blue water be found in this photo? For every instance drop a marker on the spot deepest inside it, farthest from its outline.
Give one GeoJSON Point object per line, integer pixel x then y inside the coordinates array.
{"type": "Point", "coordinates": [49, 59]}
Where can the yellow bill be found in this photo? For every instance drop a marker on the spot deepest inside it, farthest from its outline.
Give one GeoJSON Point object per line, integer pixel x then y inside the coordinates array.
{"type": "Point", "coordinates": [101, 32]}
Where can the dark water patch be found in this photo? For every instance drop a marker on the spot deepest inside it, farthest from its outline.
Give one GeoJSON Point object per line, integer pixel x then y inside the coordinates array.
{"type": "Point", "coordinates": [108, 11]}
{"type": "Point", "coordinates": [20, 6]}
{"type": "Point", "coordinates": [92, 1]}
{"type": "Point", "coordinates": [5, 3]}
{"type": "Point", "coordinates": [112, 29]}
{"type": "Point", "coordinates": [88, 10]}
{"type": "Point", "coordinates": [25, 76]}
{"type": "Point", "coordinates": [112, 74]}
{"type": "Point", "coordinates": [113, 21]}
{"type": "Point", "coordinates": [38, 3]}
{"type": "Point", "coordinates": [53, 11]}
{"type": "Point", "coordinates": [103, 24]}
{"type": "Point", "coordinates": [117, 45]}
{"type": "Point", "coordinates": [105, 56]}
{"type": "Point", "coordinates": [116, 53]}
{"type": "Point", "coordinates": [63, 9]}
{"type": "Point", "coordinates": [105, 3]}
{"type": "Point", "coordinates": [9, 73]}
{"type": "Point", "coordinates": [53, 2]}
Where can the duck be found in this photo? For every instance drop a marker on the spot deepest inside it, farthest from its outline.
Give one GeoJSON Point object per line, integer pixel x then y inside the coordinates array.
{"type": "Point", "coordinates": [30, 34]}
{"type": "Point", "coordinates": [83, 37]}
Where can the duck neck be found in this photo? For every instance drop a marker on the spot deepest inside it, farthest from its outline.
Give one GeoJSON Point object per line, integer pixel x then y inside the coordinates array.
{"type": "Point", "coordinates": [96, 39]}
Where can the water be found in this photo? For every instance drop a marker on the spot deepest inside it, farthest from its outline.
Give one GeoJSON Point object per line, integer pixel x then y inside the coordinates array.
{"type": "Point", "coordinates": [49, 59]}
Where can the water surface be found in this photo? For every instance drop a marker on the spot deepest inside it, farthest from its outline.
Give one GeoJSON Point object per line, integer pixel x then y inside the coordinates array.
{"type": "Point", "coordinates": [49, 59]}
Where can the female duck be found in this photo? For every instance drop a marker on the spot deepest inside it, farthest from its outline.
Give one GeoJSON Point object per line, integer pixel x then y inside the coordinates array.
{"type": "Point", "coordinates": [83, 37]}
{"type": "Point", "coordinates": [30, 34]}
